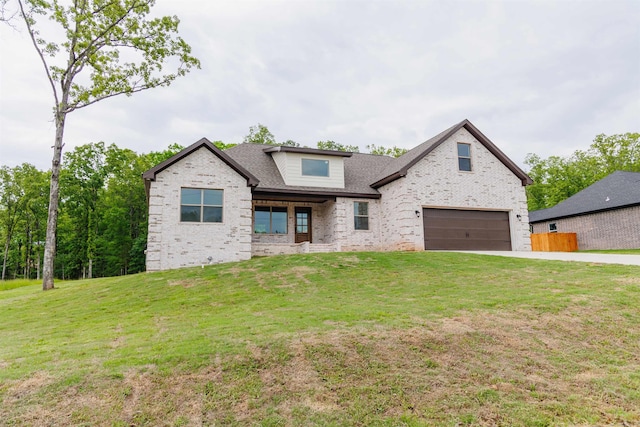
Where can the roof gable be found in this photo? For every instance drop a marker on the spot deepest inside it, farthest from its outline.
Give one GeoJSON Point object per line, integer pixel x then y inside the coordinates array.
{"type": "Point", "coordinates": [402, 164]}
{"type": "Point", "coordinates": [618, 190]}
{"type": "Point", "coordinates": [150, 175]}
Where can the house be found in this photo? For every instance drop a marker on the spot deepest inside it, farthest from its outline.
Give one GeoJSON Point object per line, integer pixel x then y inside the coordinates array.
{"type": "Point", "coordinates": [455, 191]}
{"type": "Point", "coordinates": [605, 215]}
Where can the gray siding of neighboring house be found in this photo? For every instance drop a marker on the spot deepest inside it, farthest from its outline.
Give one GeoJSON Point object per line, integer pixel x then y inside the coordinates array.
{"type": "Point", "coordinates": [614, 229]}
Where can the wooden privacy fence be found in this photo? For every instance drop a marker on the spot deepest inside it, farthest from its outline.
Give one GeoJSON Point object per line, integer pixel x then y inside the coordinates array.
{"type": "Point", "coordinates": [554, 242]}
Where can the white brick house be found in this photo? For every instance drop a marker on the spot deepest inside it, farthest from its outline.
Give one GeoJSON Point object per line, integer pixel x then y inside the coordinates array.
{"type": "Point", "coordinates": [455, 191]}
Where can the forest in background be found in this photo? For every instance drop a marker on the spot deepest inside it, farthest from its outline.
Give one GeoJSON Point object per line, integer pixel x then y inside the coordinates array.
{"type": "Point", "coordinates": [102, 228]}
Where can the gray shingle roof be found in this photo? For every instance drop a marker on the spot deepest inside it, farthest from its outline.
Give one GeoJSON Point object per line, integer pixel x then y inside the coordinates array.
{"type": "Point", "coordinates": [359, 170]}
{"type": "Point", "coordinates": [618, 190]}
{"type": "Point", "coordinates": [363, 173]}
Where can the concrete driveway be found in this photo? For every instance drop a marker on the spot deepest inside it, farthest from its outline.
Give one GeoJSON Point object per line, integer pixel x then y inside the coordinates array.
{"type": "Point", "coordinates": [568, 256]}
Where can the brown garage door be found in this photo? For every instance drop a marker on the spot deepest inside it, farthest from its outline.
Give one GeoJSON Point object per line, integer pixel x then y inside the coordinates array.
{"type": "Point", "coordinates": [452, 229]}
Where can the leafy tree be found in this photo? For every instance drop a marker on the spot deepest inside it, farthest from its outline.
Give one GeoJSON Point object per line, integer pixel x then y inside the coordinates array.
{"type": "Point", "coordinates": [223, 146]}
{"type": "Point", "coordinates": [259, 134]}
{"type": "Point", "coordinates": [123, 219]}
{"type": "Point", "coordinates": [332, 145]}
{"type": "Point", "coordinates": [155, 157]}
{"type": "Point", "coordinates": [558, 178]}
{"type": "Point", "coordinates": [383, 151]}
{"type": "Point", "coordinates": [83, 178]}
{"type": "Point", "coordinates": [288, 143]}
{"type": "Point", "coordinates": [23, 196]}
{"type": "Point", "coordinates": [12, 201]}
{"type": "Point", "coordinates": [83, 66]}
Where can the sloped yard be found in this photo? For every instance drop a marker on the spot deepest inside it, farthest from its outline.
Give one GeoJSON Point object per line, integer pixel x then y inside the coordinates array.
{"type": "Point", "coordinates": [329, 339]}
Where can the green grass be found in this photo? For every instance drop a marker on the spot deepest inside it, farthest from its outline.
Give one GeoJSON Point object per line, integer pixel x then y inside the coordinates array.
{"type": "Point", "coordinates": [5, 285]}
{"type": "Point", "coordinates": [329, 339]}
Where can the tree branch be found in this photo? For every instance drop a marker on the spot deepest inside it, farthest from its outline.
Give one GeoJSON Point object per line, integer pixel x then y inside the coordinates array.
{"type": "Point", "coordinates": [35, 44]}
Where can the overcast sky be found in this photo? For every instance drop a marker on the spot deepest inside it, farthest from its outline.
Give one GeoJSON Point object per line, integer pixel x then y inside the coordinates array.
{"type": "Point", "coordinates": [539, 77]}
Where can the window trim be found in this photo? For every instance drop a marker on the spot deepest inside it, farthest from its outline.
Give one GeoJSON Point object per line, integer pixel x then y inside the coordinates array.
{"type": "Point", "coordinates": [356, 216]}
{"type": "Point", "coordinates": [202, 205]}
{"type": "Point", "coordinates": [464, 157]}
{"type": "Point", "coordinates": [325, 161]}
{"type": "Point", "coordinates": [270, 230]}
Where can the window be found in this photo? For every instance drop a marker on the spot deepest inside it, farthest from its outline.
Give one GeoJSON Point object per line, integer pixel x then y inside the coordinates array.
{"type": "Point", "coordinates": [361, 215]}
{"type": "Point", "coordinates": [312, 167]}
{"type": "Point", "coordinates": [553, 228]}
{"type": "Point", "coordinates": [270, 220]}
{"type": "Point", "coordinates": [464, 157]}
{"type": "Point", "coordinates": [200, 205]}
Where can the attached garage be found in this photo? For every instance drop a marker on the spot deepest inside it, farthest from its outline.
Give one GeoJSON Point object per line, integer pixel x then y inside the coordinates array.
{"type": "Point", "coordinates": [454, 229]}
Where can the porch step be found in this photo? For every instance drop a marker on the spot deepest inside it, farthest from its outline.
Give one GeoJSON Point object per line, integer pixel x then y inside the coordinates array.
{"type": "Point", "coordinates": [266, 249]}
{"type": "Point", "coordinates": [315, 248]}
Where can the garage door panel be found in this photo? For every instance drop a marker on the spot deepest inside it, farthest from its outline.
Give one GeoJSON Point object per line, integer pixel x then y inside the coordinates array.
{"type": "Point", "coordinates": [451, 229]}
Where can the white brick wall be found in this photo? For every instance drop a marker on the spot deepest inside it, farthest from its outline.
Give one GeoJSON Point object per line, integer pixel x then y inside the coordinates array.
{"type": "Point", "coordinates": [393, 225]}
{"type": "Point", "coordinates": [174, 244]}
{"type": "Point", "coordinates": [345, 233]}
{"type": "Point", "coordinates": [435, 181]}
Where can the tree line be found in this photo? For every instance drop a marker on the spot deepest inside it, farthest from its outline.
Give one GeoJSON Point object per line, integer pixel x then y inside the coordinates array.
{"type": "Point", "coordinates": [102, 217]}
{"type": "Point", "coordinates": [102, 225]}
{"type": "Point", "coordinates": [557, 178]}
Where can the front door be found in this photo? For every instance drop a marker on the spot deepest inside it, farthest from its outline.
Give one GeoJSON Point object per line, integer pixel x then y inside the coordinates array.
{"type": "Point", "coordinates": [303, 225]}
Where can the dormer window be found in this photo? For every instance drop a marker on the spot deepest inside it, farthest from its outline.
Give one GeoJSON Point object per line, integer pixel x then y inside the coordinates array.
{"type": "Point", "coordinates": [313, 167]}
{"type": "Point", "coordinates": [308, 167]}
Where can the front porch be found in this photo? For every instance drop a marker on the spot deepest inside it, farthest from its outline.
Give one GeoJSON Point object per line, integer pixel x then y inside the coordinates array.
{"type": "Point", "coordinates": [290, 225]}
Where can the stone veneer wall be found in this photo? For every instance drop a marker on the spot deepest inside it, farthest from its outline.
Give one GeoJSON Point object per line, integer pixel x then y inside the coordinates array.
{"type": "Point", "coordinates": [436, 182]}
{"type": "Point", "coordinates": [174, 244]}
{"type": "Point", "coordinates": [615, 229]}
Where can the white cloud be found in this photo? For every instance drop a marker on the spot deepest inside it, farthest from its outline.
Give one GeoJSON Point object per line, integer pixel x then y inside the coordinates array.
{"type": "Point", "coordinates": [534, 76]}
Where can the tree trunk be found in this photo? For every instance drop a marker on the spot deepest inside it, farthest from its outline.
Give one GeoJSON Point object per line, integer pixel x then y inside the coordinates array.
{"type": "Point", "coordinates": [90, 269]}
{"type": "Point", "coordinates": [4, 261]}
{"type": "Point", "coordinates": [52, 218]}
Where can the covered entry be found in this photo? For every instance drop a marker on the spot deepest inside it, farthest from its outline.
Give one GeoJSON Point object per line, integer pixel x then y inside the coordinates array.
{"type": "Point", "coordinates": [454, 229]}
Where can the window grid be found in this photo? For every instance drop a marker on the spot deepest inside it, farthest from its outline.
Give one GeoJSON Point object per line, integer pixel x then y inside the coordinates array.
{"type": "Point", "coordinates": [464, 157]}
{"type": "Point", "coordinates": [201, 205]}
{"type": "Point", "coordinates": [361, 215]}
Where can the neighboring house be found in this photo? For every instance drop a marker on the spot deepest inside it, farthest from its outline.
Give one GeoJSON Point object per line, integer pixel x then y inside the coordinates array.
{"type": "Point", "coordinates": [455, 191]}
{"type": "Point", "coordinates": [605, 215]}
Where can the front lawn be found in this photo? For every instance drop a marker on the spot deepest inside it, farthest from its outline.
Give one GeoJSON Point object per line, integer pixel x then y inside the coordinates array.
{"type": "Point", "coordinates": [357, 339]}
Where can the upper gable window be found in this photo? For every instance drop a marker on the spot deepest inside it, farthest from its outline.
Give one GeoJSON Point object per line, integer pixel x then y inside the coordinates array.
{"type": "Point", "coordinates": [464, 157]}
{"type": "Point", "coordinates": [313, 167]}
{"type": "Point", "coordinates": [200, 205]}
